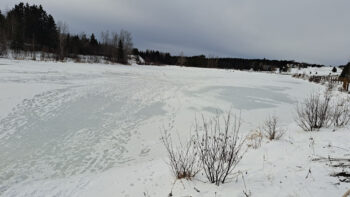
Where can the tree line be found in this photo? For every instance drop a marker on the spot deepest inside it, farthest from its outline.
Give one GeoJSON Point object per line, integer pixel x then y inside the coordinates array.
{"type": "Point", "coordinates": [153, 57]}
{"type": "Point", "coordinates": [30, 28]}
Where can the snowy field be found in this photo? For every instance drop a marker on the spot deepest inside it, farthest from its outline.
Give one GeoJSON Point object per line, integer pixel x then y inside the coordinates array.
{"type": "Point", "coordinates": [70, 129]}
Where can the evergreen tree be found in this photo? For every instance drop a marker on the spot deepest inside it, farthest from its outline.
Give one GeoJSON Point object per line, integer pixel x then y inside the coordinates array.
{"type": "Point", "coordinates": [31, 25]}
{"type": "Point", "coordinates": [3, 44]}
{"type": "Point", "coordinates": [2, 21]}
{"type": "Point", "coordinates": [135, 51]}
{"type": "Point", "coordinates": [15, 19]}
{"type": "Point", "coordinates": [52, 34]}
{"type": "Point", "coordinates": [93, 41]}
{"type": "Point", "coordinates": [121, 55]}
{"type": "Point", "coordinates": [334, 69]}
{"type": "Point", "coordinates": [93, 45]}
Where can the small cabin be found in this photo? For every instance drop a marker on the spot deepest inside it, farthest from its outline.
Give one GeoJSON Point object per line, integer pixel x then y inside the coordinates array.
{"type": "Point", "coordinates": [345, 77]}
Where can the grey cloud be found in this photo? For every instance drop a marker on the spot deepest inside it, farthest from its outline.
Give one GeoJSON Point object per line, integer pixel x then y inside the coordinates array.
{"type": "Point", "coordinates": [312, 31]}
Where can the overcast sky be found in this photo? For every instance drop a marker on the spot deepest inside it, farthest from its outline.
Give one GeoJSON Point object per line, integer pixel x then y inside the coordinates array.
{"type": "Point", "coordinates": [315, 31]}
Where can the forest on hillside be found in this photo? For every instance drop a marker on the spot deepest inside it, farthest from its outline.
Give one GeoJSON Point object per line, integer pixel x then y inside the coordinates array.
{"type": "Point", "coordinates": [30, 28]}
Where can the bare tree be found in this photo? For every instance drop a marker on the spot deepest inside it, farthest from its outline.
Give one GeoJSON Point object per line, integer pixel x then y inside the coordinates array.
{"type": "Point", "coordinates": [114, 39]}
{"type": "Point", "coordinates": [315, 111]}
{"type": "Point", "coordinates": [219, 147]}
{"type": "Point", "coordinates": [106, 48]}
{"type": "Point", "coordinates": [117, 47]}
{"type": "Point", "coordinates": [183, 160]}
{"type": "Point", "coordinates": [125, 46]}
{"type": "Point", "coordinates": [63, 31]}
{"type": "Point", "coordinates": [181, 59]}
{"type": "Point", "coordinates": [212, 62]}
{"type": "Point", "coordinates": [105, 37]}
{"type": "Point", "coordinates": [114, 42]}
{"type": "Point", "coordinates": [126, 37]}
{"type": "Point", "coordinates": [271, 129]}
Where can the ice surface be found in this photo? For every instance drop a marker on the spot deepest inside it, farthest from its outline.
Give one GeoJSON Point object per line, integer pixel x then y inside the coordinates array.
{"type": "Point", "coordinates": [70, 129]}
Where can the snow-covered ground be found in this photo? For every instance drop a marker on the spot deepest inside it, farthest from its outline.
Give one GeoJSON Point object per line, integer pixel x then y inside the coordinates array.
{"type": "Point", "coordinates": [316, 71]}
{"type": "Point", "coordinates": [70, 129]}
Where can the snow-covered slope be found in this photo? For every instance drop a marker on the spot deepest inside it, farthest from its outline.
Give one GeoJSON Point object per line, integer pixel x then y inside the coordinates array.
{"type": "Point", "coordinates": [70, 129]}
{"type": "Point", "coordinates": [316, 71]}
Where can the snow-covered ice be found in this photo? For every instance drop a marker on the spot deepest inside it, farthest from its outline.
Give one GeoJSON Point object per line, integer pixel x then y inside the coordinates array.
{"type": "Point", "coordinates": [69, 129]}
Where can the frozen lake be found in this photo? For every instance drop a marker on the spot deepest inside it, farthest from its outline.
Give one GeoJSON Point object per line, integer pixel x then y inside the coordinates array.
{"type": "Point", "coordinates": [62, 120]}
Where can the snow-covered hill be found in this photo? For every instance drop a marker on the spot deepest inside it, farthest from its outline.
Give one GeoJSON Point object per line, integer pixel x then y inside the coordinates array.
{"type": "Point", "coordinates": [70, 129]}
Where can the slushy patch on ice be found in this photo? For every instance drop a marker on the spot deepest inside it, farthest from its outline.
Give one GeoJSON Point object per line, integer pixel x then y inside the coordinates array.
{"type": "Point", "coordinates": [246, 98]}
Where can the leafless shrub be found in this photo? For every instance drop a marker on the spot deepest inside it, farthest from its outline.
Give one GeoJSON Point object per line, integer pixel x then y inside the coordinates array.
{"type": "Point", "coordinates": [300, 76]}
{"type": "Point", "coordinates": [315, 79]}
{"type": "Point", "coordinates": [17, 54]}
{"type": "Point", "coordinates": [254, 139]}
{"type": "Point", "coordinates": [42, 56]}
{"type": "Point", "coordinates": [314, 112]}
{"type": "Point", "coordinates": [219, 147]}
{"type": "Point", "coordinates": [271, 129]}
{"type": "Point", "coordinates": [330, 85]}
{"type": "Point", "coordinates": [77, 59]}
{"type": "Point", "coordinates": [93, 59]}
{"type": "Point", "coordinates": [183, 159]}
{"type": "Point", "coordinates": [296, 75]}
{"type": "Point", "coordinates": [341, 112]}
